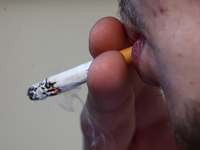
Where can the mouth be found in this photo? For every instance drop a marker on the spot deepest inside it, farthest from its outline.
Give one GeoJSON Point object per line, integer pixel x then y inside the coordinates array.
{"type": "Point", "coordinates": [137, 51]}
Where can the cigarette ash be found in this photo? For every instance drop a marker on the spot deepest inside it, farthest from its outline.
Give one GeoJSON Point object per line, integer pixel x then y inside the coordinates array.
{"type": "Point", "coordinates": [42, 90]}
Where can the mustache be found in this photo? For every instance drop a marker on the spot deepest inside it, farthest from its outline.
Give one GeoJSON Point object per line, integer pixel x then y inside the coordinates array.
{"type": "Point", "coordinates": [129, 15]}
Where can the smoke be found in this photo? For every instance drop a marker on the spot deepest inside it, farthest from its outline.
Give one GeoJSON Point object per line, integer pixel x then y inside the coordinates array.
{"type": "Point", "coordinates": [69, 97]}
{"type": "Point", "coordinates": [98, 134]}
{"type": "Point", "coordinates": [95, 131]}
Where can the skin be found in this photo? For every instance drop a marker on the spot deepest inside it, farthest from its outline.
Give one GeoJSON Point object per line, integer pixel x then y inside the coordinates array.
{"type": "Point", "coordinates": [127, 107]}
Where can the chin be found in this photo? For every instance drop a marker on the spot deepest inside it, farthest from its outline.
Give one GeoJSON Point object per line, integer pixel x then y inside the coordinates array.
{"type": "Point", "coordinates": [186, 128]}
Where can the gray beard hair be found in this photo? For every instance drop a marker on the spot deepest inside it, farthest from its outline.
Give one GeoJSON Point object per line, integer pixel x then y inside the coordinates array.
{"type": "Point", "coordinates": [187, 132]}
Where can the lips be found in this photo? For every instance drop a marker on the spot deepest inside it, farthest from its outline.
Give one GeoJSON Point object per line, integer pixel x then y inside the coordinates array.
{"type": "Point", "coordinates": [136, 52]}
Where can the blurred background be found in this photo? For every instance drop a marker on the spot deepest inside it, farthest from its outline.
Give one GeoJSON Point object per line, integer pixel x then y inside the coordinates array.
{"type": "Point", "coordinates": [39, 38]}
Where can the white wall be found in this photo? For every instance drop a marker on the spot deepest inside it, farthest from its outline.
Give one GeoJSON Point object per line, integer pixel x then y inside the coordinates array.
{"type": "Point", "coordinates": [37, 40]}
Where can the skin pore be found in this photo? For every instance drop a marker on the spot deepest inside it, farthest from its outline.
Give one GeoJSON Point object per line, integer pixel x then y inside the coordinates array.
{"type": "Point", "coordinates": [124, 111]}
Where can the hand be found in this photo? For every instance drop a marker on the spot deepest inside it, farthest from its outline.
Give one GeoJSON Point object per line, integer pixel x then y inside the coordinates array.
{"type": "Point", "coordinates": [121, 111]}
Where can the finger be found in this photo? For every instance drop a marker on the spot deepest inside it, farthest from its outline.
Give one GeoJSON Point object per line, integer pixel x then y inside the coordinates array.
{"type": "Point", "coordinates": [107, 76]}
{"type": "Point", "coordinates": [107, 34]}
{"type": "Point", "coordinates": [110, 102]}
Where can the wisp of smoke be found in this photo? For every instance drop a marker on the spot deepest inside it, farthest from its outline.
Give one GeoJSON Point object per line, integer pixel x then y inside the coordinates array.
{"type": "Point", "coordinates": [97, 132]}
{"type": "Point", "coordinates": [69, 97]}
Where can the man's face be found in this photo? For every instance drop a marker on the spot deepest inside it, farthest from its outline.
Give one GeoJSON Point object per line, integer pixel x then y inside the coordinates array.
{"type": "Point", "coordinates": [169, 57]}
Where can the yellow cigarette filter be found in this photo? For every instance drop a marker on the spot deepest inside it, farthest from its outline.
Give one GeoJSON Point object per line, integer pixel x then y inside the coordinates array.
{"type": "Point", "coordinates": [127, 53]}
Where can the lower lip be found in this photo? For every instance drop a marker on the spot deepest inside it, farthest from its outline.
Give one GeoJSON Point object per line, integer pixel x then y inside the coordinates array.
{"type": "Point", "coordinates": [136, 52]}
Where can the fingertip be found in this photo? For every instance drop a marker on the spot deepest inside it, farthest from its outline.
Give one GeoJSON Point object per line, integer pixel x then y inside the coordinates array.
{"type": "Point", "coordinates": [107, 34]}
{"type": "Point", "coordinates": [109, 80]}
{"type": "Point", "coordinates": [110, 68]}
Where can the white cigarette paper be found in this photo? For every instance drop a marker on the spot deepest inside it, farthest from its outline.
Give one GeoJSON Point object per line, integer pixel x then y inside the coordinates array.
{"type": "Point", "coordinates": [67, 80]}
{"type": "Point", "coordinates": [59, 83]}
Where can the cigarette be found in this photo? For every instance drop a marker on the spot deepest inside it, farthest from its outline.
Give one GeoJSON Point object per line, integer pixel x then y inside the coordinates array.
{"type": "Point", "coordinates": [66, 80]}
